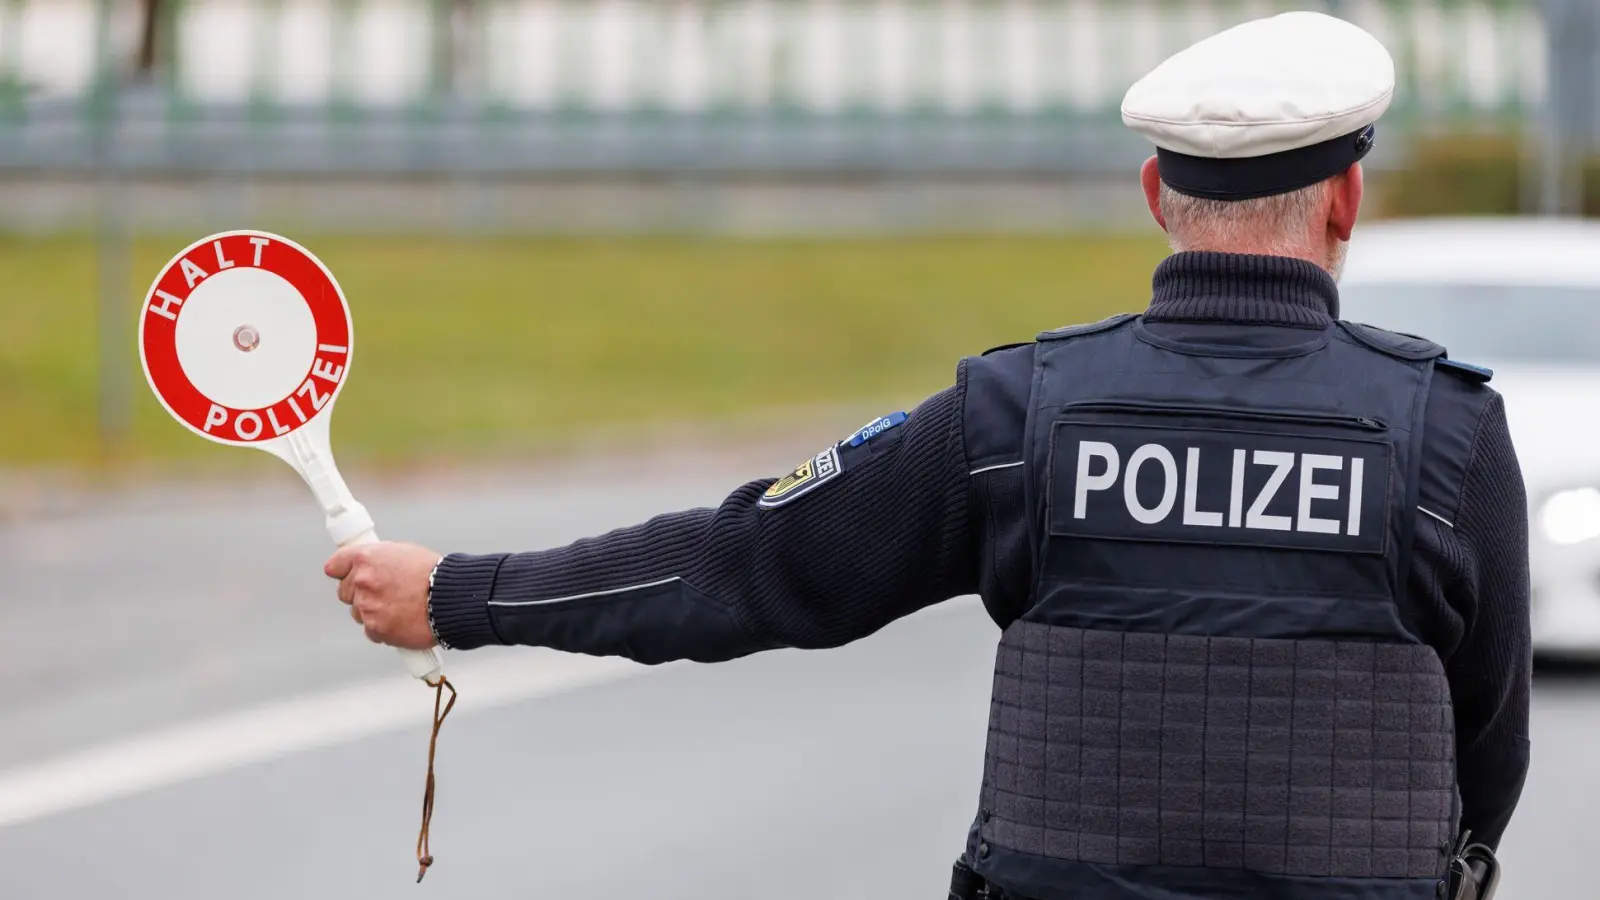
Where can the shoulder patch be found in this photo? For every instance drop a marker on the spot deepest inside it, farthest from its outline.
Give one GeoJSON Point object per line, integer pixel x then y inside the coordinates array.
{"type": "Point", "coordinates": [1105, 324]}
{"type": "Point", "coordinates": [1466, 370]}
{"type": "Point", "coordinates": [874, 428]}
{"type": "Point", "coordinates": [806, 477]}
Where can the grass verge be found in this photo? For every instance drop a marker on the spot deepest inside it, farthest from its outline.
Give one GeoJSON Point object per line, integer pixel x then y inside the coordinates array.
{"type": "Point", "coordinates": [508, 346]}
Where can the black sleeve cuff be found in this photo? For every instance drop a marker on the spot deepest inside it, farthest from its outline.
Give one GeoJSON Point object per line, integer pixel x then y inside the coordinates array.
{"type": "Point", "coordinates": [459, 603]}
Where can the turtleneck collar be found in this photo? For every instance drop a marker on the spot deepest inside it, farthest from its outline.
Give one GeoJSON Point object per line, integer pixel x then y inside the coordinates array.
{"type": "Point", "coordinates": [1204, 286]}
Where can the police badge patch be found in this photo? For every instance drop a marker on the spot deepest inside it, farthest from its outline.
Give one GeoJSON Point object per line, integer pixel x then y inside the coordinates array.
{"type": "Point", "coordinates": [805, 478]}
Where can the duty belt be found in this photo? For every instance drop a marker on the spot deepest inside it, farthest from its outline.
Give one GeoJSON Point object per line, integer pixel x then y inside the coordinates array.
{"type": "Point", "coordinates": [966, 884]}
{"type": "Point", "coordinates": [1474, 874]}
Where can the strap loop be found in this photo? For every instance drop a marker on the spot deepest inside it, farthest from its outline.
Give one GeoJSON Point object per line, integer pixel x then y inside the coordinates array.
{"type": "Point", "coordinates": [424, 856]}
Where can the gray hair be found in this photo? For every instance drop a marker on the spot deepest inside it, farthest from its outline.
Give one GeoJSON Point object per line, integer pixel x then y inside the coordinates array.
{"type": "Point", "coordinates": [1279, 224]}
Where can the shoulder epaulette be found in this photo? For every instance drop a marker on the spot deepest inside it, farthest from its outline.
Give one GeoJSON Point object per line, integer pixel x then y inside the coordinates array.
{"type": "Point", "coordinates": [1105, 324]}
{"type": "Point", "coordinates": [1005, 347]}
{"type": "Point", "coordinates": [1470, 372]}
{"type": "Point", "coordinates": [1393, 343]}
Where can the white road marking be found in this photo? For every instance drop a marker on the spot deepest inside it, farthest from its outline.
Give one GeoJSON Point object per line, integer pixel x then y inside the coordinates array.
{"type": "Point", "coordinates": [284, 727]}
{"type": "Point", "coordinates": [270, 731]}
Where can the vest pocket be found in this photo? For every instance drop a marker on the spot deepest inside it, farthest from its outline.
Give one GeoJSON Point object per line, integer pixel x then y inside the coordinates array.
{"type": "Point", "coordinates": [1364, 423]}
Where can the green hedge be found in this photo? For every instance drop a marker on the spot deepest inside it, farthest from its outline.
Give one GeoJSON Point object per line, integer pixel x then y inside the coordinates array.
{"type": "Point", "coordinates": [1470, 175]}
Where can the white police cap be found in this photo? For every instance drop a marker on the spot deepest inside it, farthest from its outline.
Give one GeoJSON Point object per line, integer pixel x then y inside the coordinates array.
{"type": "Point", "coordinates": [1266, 107]}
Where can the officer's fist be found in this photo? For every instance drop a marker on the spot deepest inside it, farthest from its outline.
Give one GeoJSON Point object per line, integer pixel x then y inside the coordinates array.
{"type": "Point", "coordinates": [386, 587]}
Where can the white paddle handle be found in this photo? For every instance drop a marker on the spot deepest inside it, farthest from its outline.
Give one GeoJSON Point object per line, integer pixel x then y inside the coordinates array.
{"type": "Point", "coordinates": [349, 523]}
{"type": "Point", "coordinates": [424, 664]}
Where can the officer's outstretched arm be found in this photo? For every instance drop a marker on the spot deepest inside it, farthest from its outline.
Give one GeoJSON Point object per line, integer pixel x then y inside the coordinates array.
{"type": "Point", "coordinates": [863, 533]}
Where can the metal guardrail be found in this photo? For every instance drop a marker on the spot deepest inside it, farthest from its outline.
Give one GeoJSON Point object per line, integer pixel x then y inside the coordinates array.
{"type": "Point", "coordinates": [572, 85]}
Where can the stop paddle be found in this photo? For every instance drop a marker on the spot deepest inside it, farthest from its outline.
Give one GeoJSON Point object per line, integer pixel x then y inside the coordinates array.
{"type": "Point", "coordinates": [246, 339]}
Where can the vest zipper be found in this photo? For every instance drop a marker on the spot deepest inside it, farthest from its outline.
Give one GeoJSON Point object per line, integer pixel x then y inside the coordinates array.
{"type": "Point", "coordinates": [1363, 422]}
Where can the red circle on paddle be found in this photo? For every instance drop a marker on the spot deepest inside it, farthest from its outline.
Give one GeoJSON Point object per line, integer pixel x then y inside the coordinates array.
{"type": "Point", "coordinates": [245, 337]}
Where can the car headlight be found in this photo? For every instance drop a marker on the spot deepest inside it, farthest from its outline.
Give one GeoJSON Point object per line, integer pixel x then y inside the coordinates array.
{"type": "Point", "coordinates": [1571, 517]}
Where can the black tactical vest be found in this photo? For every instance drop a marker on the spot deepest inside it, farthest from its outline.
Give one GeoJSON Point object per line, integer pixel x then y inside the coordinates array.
{"type": "Point", "coordinates": [1217, 691]}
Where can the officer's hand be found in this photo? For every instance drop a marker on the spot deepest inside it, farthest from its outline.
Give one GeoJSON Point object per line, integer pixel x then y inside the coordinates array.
{"type": "Point", "coordinates": [386, 587]}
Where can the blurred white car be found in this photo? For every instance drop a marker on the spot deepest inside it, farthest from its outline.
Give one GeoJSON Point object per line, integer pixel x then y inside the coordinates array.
{"type": "Point", "coordinates": [1521, 297]}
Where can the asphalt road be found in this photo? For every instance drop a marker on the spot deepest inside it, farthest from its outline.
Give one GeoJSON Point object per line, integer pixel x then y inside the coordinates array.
{"type": "Point", "coordinates": [840, 774]}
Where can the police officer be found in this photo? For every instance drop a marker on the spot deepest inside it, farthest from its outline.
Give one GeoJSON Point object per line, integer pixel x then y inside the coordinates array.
{"type": "Point", "coordinates": [1261, 573]}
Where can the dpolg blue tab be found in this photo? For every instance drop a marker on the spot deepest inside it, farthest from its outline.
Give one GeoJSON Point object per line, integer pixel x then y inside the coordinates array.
{"type": "Point", "coordinates": [874, 428]}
